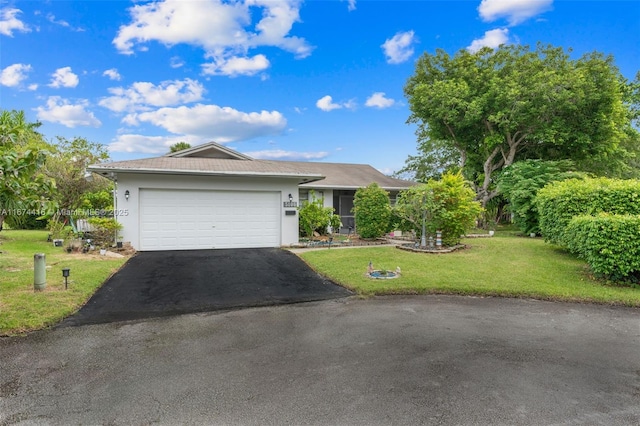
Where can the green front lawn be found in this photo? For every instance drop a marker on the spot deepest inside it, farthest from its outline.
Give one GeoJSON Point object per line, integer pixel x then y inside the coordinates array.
{"type": "Point", "coordinates": [505, 265]}
{"type": "Point", "coordinates": [22, 309]}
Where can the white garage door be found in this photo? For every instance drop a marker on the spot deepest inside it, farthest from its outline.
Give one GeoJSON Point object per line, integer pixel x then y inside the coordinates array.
{"type": "Point", "coordinates": [191, 220]}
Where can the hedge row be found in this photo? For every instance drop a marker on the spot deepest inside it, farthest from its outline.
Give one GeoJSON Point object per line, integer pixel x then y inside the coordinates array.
{"type": "Point", "coordinates": [559, 202]}
{"type": "Point", "coordinates": [609, 243]}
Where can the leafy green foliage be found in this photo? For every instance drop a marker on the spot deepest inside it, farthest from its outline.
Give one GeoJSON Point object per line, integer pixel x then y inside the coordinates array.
{"type": "Point", "coordinates": [106, 231]}
{"type": "Point", "coordinates": [433, 159]}
{"type": "Point", "coordinates": [520, 183]}
{"type": "Point", "coordinates": [179, 146]}
{"type": "Point", "coordinates": [609, 243]}
{"type": "Point", "coordinates": [314, 217]}
{"type": "Point", "coordinates": [372, 211]}
{"type": "Point", "coordinates": [59, 229]}
{"type": "Point", "coordinates": [23, 187]}
{"type": "Point", "coordinates": [559, 202]}
{"type": "Point", "coordinates": [67, 165]}
{"type": "Point", "coordinates": [97, 200]}
{"type": "Point", "coordinates": [445, 205]}
{"type": "Point", "coordinates": [497, 106]}
{"type": "Point", "coordinates": [21, 184]}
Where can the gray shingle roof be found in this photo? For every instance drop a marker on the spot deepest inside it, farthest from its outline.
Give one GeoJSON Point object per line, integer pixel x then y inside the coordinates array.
{"type": "Point", "coordinates": [349, 176]}
{"type": "Point", "coordinates": [309, 174]}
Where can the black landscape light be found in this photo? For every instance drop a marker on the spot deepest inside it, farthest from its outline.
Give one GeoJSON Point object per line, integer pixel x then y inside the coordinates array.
{"type": "Point", "coordinates": [65, 274]}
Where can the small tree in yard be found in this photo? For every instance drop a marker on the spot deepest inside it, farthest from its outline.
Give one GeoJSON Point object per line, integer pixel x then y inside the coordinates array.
{"type": "Point", "coordinates": [372, 210]}
{"type": "Point", "coordinates": [445, 205]}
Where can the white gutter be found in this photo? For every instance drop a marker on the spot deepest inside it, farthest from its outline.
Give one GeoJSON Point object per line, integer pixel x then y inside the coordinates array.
{"type": "Point", "coordinates": [110, 173]}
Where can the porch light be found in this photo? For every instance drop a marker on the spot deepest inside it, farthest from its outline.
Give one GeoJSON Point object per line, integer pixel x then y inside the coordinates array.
{"type": "Point", "coordinates": [290, 198]}
{"type": "Point", "coordinates": [126, 195]}
{"type": "Point", "coordinates": [65, 274]}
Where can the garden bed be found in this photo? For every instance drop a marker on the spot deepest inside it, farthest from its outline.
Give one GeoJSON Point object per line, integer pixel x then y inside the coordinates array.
{"type": "Point", "coordinates": [434, 250]}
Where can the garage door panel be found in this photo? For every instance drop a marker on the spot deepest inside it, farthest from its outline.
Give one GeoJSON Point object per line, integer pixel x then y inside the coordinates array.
{"type": "Point", "coordinates": [190, 219]}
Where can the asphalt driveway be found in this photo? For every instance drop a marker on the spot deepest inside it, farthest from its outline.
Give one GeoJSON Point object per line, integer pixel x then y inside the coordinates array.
{"type": "Point", "coordinates": [153, 284]}
{"type": "Point", "coordinates": [431, 360]}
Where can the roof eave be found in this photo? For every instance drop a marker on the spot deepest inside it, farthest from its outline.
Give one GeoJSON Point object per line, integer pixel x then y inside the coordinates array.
{"type": "Point", "coordinates": [111, 172]}
{"type": "Point", "coordinates": [349, 187]}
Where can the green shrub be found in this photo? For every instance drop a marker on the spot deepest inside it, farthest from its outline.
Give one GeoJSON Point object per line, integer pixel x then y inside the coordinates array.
{"type": "Point", "coordinates": [459, 208]}
{"type": "Point", "coordinates": [29, 221]}
{"type": "Point", "coordinates": [105, 232]}
{"type": "Point", "coordinates": [609, 243]}
{"type": "Point", "coordinates": [314, 217]}
{"type": "Point", "coordinates": [559, 202]}
{"type": "Point", "coordinates": [520, 183]}
{"type": "Point", "coordinates": [59, 229]}
{"type": "Point", "coordinates": [372, 211]}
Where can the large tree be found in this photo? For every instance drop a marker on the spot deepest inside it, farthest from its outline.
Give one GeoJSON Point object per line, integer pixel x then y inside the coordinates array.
{"type": "Point", "coordinates": [22, 155]}
{"type": "Point", "coordinates": [496, 106]}
{"type": "Point", "coordinates": [67, 165]}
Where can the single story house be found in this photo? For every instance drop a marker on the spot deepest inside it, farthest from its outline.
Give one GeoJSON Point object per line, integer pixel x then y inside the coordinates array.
{"type": "Point", "coordinates": [210, 196]}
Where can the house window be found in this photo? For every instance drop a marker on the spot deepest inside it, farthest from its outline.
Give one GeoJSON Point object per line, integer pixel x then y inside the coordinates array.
{"type": "Point", "coordinates": [303, 195]}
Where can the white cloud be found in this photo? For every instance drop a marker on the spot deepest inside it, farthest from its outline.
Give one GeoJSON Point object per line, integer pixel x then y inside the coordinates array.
{"type": "Point", "coordinates": [399, 48]}
{"type": "Point", "coordinates": [176, 62]}
{"type": "Point", "coordinates": [278, 154]}
{"type": "Point", "coordinates": [326, 103]}
{"type": "Point", "coordinates": [514, 12]}
{"type": "Point", "coordinates": [10, 23]}
{"type": "Point", "coordinates": [64, 77]}
{"type": "Point", "coordinates": [223, 124]}
{"type": "Point", "coordinates": [224, 30]}
{"type": "Point", "coordinates": [378, 100]}
{"type": "Point", "coordinates": [113, 74]}
{"type": "Point", "coordinates": [51, 18]}
{"type": "Point", "coordinates": [236, 66]}
{"type": "Point", "coordinates": [14, 74]}
{"type": "Point", "coordinates": [58, 110]}
{"type": "Point", "coordinates": [32, 87]}
{"type": "Point", "coordinates": [142, 95]}
{"type": "Point", "coordinates": [352, 5]}
{"type": "Point", "coordinates": [149, 144]}
{"type": "Point", "coordinates": [492, 38]}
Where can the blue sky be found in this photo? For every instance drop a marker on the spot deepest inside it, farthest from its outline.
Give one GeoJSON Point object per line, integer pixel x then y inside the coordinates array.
{"type": "Point", "coordinates": [291, 80]}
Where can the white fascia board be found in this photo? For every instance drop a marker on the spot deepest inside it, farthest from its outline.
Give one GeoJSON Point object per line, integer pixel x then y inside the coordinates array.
{"type": "Point", "coordinates": [387, 188]}
{"type": "Point", "coordinates": [104, 171]}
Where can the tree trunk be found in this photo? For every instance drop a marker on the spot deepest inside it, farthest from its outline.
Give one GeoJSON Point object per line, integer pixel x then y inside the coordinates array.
{"type": "Point", "coordinates": [489, 166]}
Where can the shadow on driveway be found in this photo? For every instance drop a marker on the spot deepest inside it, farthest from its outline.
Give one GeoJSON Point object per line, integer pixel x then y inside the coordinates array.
{"type": "Point", "coordinates": [154, 284]}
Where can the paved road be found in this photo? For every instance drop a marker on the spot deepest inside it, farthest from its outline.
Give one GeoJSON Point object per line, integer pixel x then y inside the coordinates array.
{"type": "Point", "coordinates": [397, 360]}
{"type": "Point", "coordinates": [165, 283]}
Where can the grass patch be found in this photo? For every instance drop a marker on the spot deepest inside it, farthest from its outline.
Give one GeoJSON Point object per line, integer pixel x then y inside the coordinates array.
{"type": "Point", "coordinates": [22, 309]}
{"type": "Point", "coordinates": [505, 265]}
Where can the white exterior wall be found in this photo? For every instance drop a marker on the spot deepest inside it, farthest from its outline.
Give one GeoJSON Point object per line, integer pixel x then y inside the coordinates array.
{"type": "Point", "coordinates": [327, 194]}
{"type": "Point", "coordinates": [128, 210]}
